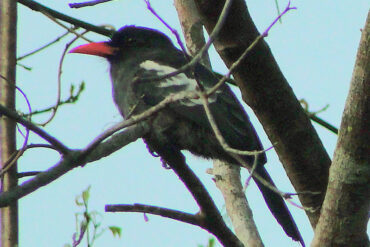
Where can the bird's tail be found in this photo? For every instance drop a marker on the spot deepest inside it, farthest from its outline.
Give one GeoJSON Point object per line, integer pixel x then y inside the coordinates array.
{"type": "Point", "coordinates": [277, 206]}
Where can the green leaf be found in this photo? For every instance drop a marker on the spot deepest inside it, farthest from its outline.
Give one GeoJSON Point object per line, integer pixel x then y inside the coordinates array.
{"type": "Point", "coordinates": [82, 86]}
{"type": "Point", "coordinates": [211, 242]}
{"type": "Point", "coordinates": [86, 195]}
{"type": "Point", "coordinates": [116, 231]}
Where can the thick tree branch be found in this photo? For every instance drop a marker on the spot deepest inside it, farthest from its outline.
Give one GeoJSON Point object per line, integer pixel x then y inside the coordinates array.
{"type": "Point", "coordinates": [227, 179]}
{"type": "Point", "coordinates": [192, 28]}
{"type": "Point", "coordinates": [74, 159]}
{"type": "Point", "coordinates": [266, 90]}
{"type": "Point", "coordinates": [226, 176]}
{"type": "Point", "coordinates": [31, 126]}
{"type": "Point", "coordinates": [211, 219]}
{"type": "Point", "coordinates": [344, 215]}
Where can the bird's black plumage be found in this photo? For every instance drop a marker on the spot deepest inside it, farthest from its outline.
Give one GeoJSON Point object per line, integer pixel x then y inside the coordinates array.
{"type": "Point", "coordinates": [143, 53]}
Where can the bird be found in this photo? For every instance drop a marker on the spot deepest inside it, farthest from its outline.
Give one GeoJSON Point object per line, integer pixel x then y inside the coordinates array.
{"type": "Point", "coordinates": [137, 53]}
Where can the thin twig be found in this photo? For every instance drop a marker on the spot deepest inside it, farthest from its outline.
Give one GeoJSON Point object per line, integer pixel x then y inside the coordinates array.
{"type": "Point", "coordinates": [164, 212]}
{"type": "Point", "coordinates": [43, 47]}
{"type": "Point", "coordinates": [72, 160]}
{"type": "Point", "coordinates": [251, 172]}
{"type": "Point", "coordinates": [246, 52]}
{"type": "Point", "coordinates": [86, 4]}
{"type": "Point", "coordinates": [15, 156]}
{"type": "Point", "coordinates": [174, 31]}
{"type": "Point", "coordinates": [294, 204]}
{"type": "Point", "coordinates": [20, 131]}
{"type": "Point", "coordinates": [226, 176]}
{"type": "Point", "coordinates": [234, 66]}
{"type": "Point", "coordinates": [179, 41]}
{"type": "Point", "coordinates": [323, 123]}
{"type": "Point", "coordinates": [204, 49]}
{"type": "Point", "coordinates": [286, 10]}
{"type": "Point", "coordinates": [259, 178]}
{"type": "Point", "coordinates": [139, 117]}
{"type": "Point", "coordinates": [71, 30]}
{"type": "Point", "coordinates": [24, 66]}
{"type": "Point", "coordinates": [83, 228]}
{"type": "Point", "coordinates": [277, 9]}
{"type": "Point", "coordinates": [235, 153]}
{"type": "Point", "coordinates": [57, 104]}
{"type": "Point", "coordinates": [313, 117]}
{"type": "Point", "coordinates": [76, 22]}
{"type": "Point", "coordinates": [218, 133]}
{"type": "Point", "coordinates": [204, 97]}
{"type": "Point", "coordinates": [70, 100]}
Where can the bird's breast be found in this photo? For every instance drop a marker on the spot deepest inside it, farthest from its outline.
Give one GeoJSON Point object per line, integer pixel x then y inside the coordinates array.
{"type": "Point", "coordinates": [123, 77]}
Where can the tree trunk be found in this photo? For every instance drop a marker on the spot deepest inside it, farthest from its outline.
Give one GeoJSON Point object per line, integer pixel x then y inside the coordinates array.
{"type": "Point", "coordinates": [8, 20]}
{"type": "Point", "coordinates": [344, 214]}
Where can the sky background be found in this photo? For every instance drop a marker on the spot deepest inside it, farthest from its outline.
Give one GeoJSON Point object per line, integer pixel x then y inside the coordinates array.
{"type": "Point", "coordinates": [315, 47]}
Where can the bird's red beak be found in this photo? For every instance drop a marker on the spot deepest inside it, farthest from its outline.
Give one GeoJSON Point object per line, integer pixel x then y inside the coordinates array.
{"type": "Point", "coordinates": [101, 49]}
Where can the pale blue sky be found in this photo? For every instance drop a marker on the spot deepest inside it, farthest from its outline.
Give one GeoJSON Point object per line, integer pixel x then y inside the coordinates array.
{"type": "Point", "coordinates": [315, 48]}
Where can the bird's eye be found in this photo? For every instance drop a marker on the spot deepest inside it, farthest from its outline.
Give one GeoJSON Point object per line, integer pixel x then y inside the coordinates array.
{"type": "Point", "coordinates": [131, 41]}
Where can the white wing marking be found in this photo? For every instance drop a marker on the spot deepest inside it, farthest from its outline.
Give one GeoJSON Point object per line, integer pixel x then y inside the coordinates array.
{"type": "Point", "coordinates": [177, 80]}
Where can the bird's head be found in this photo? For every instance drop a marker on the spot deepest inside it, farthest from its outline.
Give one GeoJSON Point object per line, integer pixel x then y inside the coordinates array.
{"type": "Point", "coordinates": [127, 40]}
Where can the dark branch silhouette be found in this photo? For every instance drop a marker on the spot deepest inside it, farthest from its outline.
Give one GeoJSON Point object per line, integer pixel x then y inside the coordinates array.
{"type": "Point", "coordinates": [41, 8]}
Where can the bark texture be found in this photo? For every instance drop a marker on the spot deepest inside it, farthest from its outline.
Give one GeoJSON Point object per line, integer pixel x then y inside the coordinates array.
{"type": "Point", "coordinates": [345, 210]}
{"type": "Point", "coordinates": [226, 176]}
{"type": "Point", "coordinates": [265, 89]}
{"type": "Point", "coordinates": [192, 28]}
{"type": "Point", "coordinates": [8, 215]}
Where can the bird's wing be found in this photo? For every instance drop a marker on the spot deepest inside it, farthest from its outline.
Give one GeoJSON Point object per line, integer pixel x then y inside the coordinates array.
{"type": "Point", "coordinates": [228, 113]}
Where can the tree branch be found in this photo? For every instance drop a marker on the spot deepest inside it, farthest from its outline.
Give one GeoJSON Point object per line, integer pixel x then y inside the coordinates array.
{"type": "Point", "coordinates": [226, 176]}
{"type": "Point", "coordinates": [72, 160]}
{"type": "Point", "coordinates": [31, 126]}
{"type": "Point", "coordinates": [89, 3]}
{"type": "Point", "coordinates": [267, 92]}
{"type": "Point", "coordinates": [220, 21]}
{"type": "Point", "coordinates": [73, 97]}
{"type": "Point", "coordinates": [323, 123]}
{"type": "Point", "coordinates": [211, 219]}
{"type": "Point", "coordinates": [227, 179]}
{"type": "Point", "coordinates": [164, 212]}
{"type": "Point", "coordinates": [192, 28]}
{"type": "Point", "coordinates": [43, 47]}
{"type": "Point", "coordinates": [41, 8]}
{"type": "Point", "coordinates": [344, 214]}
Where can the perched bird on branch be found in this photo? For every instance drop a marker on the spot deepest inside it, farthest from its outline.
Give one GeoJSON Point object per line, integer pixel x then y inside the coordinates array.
{"type": "Point", "coordinates": [137, 54]}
